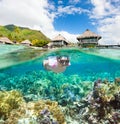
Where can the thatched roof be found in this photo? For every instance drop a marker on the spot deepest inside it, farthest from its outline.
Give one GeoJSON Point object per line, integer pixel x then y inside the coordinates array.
{"type": "Point", "coordinates": [26, 42]}
{"type": "Point", "coordinates": [5, 40]}
{"type": "Point", "coordinates": [59, 37]}
{"type": "Point", "coordinates": [89, 34]}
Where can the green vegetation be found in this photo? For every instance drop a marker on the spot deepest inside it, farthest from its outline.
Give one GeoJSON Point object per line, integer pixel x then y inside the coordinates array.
{"type": "Point", "coordinates": [18, 34]}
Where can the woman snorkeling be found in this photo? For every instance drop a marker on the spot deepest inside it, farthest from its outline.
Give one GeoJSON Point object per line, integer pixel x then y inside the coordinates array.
{"type": "Point", "coordinates": [56, 63]}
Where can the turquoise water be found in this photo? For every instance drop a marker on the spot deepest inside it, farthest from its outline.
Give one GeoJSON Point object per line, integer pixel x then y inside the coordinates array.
{"type": "Point", "coordinates": [11, 55]}
{"type": "Point", "coordinates": [9, 48]}
{"type": "Point", "coordinates": [27, 74]}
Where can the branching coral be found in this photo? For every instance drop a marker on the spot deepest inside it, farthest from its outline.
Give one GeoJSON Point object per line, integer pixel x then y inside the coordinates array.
{"type": "Point", "coordinates": [13, 107]}
{"type": "Point", "coordinates": [105, 101]}
{"type": "Point", "coordinates": [101, 106]}
{"type": "Point", "coordinates": [47, 85]}
{"type": "Point", "coordinates": [52, 107]}
{"type": "Point", "coordinates": [9, 100]}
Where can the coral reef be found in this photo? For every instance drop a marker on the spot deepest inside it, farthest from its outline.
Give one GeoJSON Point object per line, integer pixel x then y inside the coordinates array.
{"type": "Point", "coordinates": [9, 100]}
{"type": "Point", "coordinates": [39, 112]}
{"type": "Point", "coordinates": [101, 106]}
{"type": "Point", "coordinates": [49, 111]}
{"type": "Point", "coordinates": [48, 85]}
{"type": "Point", "coordinates": [14, 110]}
{"type": "Point", "coordinates": [45, 117]}
{"type": "Point", "coordinates": [77, 101]}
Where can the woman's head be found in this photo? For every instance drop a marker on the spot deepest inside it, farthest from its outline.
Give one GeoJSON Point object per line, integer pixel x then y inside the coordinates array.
{"type": "Point", "coordinates": [63, 60]}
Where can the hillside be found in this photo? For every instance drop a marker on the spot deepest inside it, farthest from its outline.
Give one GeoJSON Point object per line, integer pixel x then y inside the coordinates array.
{"type": "Point", "coordinates": [19, 34]}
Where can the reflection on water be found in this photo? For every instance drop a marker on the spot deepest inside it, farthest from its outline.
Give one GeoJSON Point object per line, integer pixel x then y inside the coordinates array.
{"type": "Point", "coordinates": [19, 56]}
{"type": "Point", "coordinates": [56, 64]}
{"type": "Point", "coordinates": [4, 49]}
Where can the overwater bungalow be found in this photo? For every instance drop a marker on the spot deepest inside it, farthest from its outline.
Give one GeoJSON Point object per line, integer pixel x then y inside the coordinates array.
{"type": "Point", "coordinates": [5, 40]}
{"type": "Point", "coordinates": [88, 39]}
{"type": "Point", "coordinates": [59, 41]}
{"type": "Point", "coordinates": [26, 42]}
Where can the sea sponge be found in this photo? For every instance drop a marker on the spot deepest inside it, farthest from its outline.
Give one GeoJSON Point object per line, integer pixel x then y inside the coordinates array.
{"type": "Point", "coordinates": [52, 107]}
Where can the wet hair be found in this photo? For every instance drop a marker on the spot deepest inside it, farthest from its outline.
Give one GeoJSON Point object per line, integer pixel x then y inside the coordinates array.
{"type": "Point", "coordinates": [63, 60]}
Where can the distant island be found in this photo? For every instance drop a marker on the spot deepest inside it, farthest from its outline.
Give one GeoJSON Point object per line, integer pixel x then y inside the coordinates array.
{"type": "Point", "coordinates": [18, 34]}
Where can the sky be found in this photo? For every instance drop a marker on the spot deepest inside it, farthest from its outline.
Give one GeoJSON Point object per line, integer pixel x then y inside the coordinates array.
{"type": "Point", "coordinates": [67, 17]}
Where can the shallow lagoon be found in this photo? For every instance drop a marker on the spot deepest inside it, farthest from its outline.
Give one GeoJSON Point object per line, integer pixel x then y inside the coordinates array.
{"type": "Point", "coordinates": [22, 69]}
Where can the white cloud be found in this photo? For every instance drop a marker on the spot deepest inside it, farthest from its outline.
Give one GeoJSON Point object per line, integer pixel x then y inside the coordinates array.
{"type": "Point", "coordinates": [74, 1]}
{"type": "Point", "coordinates": [60, 2]}
{"type": "Point", "coordinates": [107, 17]}
{"type": "Point", "coordinates": [70, 10]}
{"type": "Point", "coordinates": [109, 28]}
{"type": "Point", "coordinates": [29, 13]}
{"type": "Point", "coordinates": [68, 36]}
{"type": "Point", "coordinates": [101, 8]}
